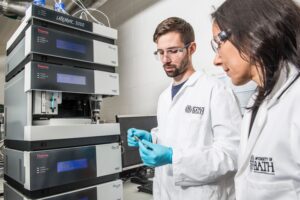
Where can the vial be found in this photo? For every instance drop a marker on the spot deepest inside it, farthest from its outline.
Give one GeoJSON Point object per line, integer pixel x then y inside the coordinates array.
{"type": "Point", "coordinates": [39, 2]}
{"type": "Point", "coordinates": [59, 7]}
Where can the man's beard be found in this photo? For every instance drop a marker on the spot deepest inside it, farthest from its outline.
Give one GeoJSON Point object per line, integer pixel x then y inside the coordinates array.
{"type": "Point", "coordinates": [177, 70]}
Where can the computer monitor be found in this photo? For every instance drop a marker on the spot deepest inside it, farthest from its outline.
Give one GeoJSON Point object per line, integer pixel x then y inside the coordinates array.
{"type": "Point", "coordinates": [130, 155]}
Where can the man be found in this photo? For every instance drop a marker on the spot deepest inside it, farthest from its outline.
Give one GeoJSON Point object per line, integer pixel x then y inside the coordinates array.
{"type": "Point", "coordinates": [194, 147]}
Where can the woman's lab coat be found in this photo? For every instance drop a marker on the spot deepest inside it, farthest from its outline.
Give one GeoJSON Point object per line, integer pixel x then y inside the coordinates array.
{"type": "Point", "coordinates": [269, 161]}
{"type": "Point", "coordinates": [202, 125]}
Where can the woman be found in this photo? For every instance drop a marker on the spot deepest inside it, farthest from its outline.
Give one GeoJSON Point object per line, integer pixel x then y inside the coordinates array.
{"type": "Point", "coordinates": [259, 40]}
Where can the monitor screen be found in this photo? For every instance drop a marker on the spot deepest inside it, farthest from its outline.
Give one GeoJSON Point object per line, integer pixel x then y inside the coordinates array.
{"type": "Point", "coordinates": [71, 46]}
{"type": "Point", "coordinates": [130, 155]}
{"type": "Point", "coordinates": [71, 165]}
{"type": "Point", "coordinates": [70, 79]}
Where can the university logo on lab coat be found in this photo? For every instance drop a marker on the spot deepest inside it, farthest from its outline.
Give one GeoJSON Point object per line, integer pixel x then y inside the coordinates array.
{"type": "Point", "coordinates": [263, 165]}
{"type": "Point", "coordinates": [194, 109]}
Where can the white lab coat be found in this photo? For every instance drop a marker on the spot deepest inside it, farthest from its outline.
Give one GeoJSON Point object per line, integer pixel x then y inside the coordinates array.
{"type": "Point", "coordinates": [202, 125]}
{"type": "Point", "coordinates": [269, 160]}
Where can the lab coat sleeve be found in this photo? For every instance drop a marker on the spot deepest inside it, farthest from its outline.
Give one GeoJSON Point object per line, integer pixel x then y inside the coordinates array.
{"type": "Point", "coordinates": [209, 163]}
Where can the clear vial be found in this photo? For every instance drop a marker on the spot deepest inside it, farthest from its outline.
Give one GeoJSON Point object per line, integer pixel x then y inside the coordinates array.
{"type": "Point", "coordinates": [39, 2]}
{"type": "Point", "coordinates": [59, 7]}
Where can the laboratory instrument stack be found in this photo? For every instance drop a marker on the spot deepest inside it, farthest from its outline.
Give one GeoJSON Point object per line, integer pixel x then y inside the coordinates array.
{"type": "Point", "coordinates": [59, 68]}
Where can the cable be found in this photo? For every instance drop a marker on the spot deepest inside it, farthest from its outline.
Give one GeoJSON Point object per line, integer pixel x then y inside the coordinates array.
{"type": "Point", "coordinates": [79, 1]}
{"type": "Point", "coordinates": [1, 154]}
{"type": "Point", "coordinates": [86, 10]}
{"type": "Point", "coordinates": [85, 15]}
{"type": "Point", "coordinates": [94, 9]}
{"type": "Point", "coordinates": [80, 4]}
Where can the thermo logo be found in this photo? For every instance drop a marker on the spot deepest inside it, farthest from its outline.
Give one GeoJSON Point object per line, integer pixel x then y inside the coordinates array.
{"type": "Point", "coordinates": [43, 31]}
{"type": "Point", "coordinates": [42, 155]}
{"type": "Point", "coordinates": [43, 66]}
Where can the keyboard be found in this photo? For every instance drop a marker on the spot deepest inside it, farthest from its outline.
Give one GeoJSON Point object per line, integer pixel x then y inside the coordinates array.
{"type": "Point", "coordinates": [147, 188]}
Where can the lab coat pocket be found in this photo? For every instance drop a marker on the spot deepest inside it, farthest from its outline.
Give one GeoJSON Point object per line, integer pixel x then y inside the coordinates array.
{"type": "Point", "coordinates": [193, 134]}
{"type": "Point", "coordinates": [189, 133]}
{"type": "Point", "coordinates": [276, 190]}
{"type": "Point", "coordinates": [204, 192]}
{"type": "Point", "coordinates": [192, 123]}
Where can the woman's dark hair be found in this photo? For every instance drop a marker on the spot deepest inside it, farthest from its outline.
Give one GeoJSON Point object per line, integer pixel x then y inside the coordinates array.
{"type": "Point", "coordinates": [267, 32]}
{"type": "Point", "coordinates": [175, 24]}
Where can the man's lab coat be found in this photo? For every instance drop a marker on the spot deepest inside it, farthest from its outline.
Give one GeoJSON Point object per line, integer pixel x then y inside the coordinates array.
{"type": "Point", "coordinates": [202, 125]}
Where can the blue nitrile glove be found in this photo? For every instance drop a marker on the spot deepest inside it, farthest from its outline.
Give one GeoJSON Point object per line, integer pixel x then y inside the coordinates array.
{"type": "Point", "coordinates": [141, 134]}
{"type": "Point", "coordinates": [155, 155]}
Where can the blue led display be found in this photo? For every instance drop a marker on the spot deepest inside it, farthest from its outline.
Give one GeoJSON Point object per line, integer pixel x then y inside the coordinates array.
{"type": "Point", "coordinates": [71, 46]}
{"type": "Point", "coordinates": [71, 79]}
{"type": "Point", "coordinates": [71, 165]}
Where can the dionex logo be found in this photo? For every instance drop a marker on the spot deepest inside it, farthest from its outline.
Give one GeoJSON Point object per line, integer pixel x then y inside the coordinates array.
{"type": "Point", "coordinates": [194, 110]}
{"type": "Point", "coordinates": [65, 20]}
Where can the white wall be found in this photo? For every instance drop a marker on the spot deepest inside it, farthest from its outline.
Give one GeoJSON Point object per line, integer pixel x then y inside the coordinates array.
{"type": "Point", "coordinates": [142, 78]}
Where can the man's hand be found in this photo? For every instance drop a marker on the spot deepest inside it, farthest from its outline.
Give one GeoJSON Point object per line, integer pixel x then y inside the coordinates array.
{"type": "Point", "coordinates": [141, 134]}
{"type": "Point", "coordinates": [155, 155]}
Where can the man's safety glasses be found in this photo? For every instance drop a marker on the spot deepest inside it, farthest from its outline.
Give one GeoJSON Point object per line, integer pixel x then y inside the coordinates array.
{"type": "Point", "coordinates": [170, 52]}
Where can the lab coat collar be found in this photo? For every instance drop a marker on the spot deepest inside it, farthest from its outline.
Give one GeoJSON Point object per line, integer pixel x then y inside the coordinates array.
{"type": "Point", "coordinates": [249, 143]}
{"type": "Point", "coordinates": [191, 81]}
{"type": "Point", "coordinates": [286, 77]}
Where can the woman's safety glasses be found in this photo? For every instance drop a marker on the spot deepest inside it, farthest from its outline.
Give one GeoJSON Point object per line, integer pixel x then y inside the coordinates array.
{"type": "Point", "coordinates": [219, 39]}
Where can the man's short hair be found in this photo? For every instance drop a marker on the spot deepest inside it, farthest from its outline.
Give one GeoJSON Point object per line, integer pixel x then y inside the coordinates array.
{"type": "Point", "coordinates": [175, 24]}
